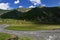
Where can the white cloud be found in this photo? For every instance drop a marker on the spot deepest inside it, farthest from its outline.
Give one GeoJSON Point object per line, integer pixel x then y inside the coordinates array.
{"type": "Point", "coordinates": [36, 2]}
{"type": "Point", "coordinates": [4, 6]}
{"type": "Point", "coordinates": [31, 6]}
{"type": "Point", "coordinates": [16, 2]}
{"type": "Point", "coordinates": [20, 6]}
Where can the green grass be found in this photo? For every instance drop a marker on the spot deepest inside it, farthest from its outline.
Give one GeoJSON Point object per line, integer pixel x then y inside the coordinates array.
{"type": "Point", "coordinates": [26, 38]}
{"type": "Point", "coordinates": [13, 21]}
{"type": "Point", "coordinates": [4, 36]}
{"type": "Point", "coordinates": [26, 25]}
{"type": "Point", "coordinates": [33, 27]}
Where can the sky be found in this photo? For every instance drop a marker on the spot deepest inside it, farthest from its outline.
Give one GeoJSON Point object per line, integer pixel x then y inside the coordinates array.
{"type": "Point", "coordinates": [11, 4]}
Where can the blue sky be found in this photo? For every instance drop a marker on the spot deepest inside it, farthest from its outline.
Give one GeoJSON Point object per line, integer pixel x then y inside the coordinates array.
{"type": "Point", "coordinates": [11, 4]}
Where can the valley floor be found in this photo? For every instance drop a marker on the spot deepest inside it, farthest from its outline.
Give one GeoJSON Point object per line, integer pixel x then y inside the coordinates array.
{"type": "Point", "coordinates": [27, 25]}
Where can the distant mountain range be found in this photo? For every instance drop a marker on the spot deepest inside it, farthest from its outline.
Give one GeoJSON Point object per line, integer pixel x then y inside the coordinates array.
{"type": "Point", "coordinates": [40, 14]}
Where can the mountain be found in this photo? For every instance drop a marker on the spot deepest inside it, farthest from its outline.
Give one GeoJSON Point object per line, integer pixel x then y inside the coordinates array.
{"type": "Point", "coordinates": [23, 9]}
{"type": "Point", "coordinates": [39, 14]}
{"type": "Point", "coordinates": [14, 14]}
{"type": "Point", "coordinates": [44, 14]}
{"type": "Point", "coordinates": [3, 11]}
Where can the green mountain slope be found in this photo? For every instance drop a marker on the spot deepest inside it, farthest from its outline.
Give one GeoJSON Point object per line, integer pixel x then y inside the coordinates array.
{"type": "Point", "coordinates": [23, 9]}
{"type": "Point", "coordinates": [3, 11]}
{"type": "Point", "coordinates": [14, 14]}
{"type": "Point", "coordinates": [44, 15]}
{"type": "Point", "coordinates": [40, 14]}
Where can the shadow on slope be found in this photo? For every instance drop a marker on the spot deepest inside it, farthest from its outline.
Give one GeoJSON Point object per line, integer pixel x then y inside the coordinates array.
{"type": "Point", "coordinates": [44, 15]}
{"type": "Point", "coordinates": [12, 15]}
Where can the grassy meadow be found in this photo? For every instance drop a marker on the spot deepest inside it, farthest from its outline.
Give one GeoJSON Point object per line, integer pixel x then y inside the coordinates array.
{"type": "Point", "coordinates": [5, 36]}
{"type": "Point", "coordinates": [26, 25]}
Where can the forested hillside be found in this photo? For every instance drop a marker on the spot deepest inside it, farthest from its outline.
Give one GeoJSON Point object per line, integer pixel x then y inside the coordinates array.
{"type": "Point", "coordinates": [41, 15]}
